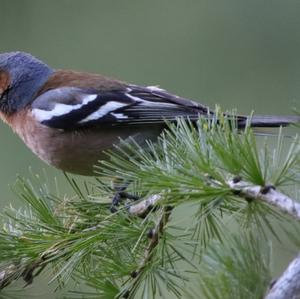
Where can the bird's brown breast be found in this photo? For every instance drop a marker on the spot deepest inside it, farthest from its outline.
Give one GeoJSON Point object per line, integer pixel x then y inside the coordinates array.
{"type": "Point", "coordinates": [4, 81]}
{"type": "Point", "coordinates": [73, 151]}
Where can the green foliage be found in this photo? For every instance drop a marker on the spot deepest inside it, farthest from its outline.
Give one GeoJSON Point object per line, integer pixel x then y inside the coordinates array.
{"type": "Point", "coordinates": [237, 268]}
{"type": "Point", "coordinates": [121, 255]}
{"type": "Point", "coordinates": [187, 158]}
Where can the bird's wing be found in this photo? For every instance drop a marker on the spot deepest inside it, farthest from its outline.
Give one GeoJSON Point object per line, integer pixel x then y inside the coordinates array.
{"type": "Point", "coordinates": [71, 108]}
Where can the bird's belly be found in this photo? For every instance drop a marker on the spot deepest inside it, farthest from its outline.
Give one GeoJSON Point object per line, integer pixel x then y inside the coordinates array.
{"type": "Point", "coordinates": [75, 152]}
{"type": "Point", "coordinates": [79, 151]}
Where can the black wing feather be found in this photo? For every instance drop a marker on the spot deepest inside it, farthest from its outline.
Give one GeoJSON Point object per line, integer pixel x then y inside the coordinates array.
{"type": "Point", "coordinates": [71, 108]}
{"type": "Point", "coordinates": [138, 105]}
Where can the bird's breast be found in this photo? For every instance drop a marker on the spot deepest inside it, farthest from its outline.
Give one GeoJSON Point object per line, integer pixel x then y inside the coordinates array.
{"type": "Point", "coordinates": [74, 151]}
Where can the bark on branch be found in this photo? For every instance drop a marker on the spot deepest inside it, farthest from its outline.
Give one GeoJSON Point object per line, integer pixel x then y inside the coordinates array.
{"type": "Point", "coordinates": [288, 285]}
{"type": "Point", "coordinates": [142, 207]}
{"type": "Point", "coordinates": [267, 194]}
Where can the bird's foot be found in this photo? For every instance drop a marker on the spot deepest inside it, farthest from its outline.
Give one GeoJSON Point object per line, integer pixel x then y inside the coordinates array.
{"type": "Point", "coordinates": [118, 197]}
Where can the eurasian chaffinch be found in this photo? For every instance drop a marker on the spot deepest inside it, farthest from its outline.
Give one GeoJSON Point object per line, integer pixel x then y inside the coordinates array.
{"type": "Point", "coordinates": [69, 118]}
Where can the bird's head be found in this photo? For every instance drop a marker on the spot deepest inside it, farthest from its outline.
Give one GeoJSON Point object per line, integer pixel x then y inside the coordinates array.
{"type": "Point", "coordinates": [21, 77]}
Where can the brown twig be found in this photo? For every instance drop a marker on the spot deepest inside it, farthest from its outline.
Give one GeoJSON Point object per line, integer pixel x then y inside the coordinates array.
{"type": "Point", "coordinates": [154, 236]}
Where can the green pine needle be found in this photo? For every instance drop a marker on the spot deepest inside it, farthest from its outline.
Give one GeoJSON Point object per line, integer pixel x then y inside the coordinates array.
{"type": "Point", "coordinates": [78, 239]}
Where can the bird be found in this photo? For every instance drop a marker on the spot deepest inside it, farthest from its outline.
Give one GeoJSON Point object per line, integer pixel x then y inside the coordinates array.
{"type": "Point", "coordinates": [70, 119]}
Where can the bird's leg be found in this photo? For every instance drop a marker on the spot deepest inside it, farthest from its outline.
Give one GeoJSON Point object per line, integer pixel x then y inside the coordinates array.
{"type": "Point", "coordinates": [121, 194]}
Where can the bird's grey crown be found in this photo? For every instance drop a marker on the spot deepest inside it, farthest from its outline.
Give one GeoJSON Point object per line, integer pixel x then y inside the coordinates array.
{"type": "Point", "coordinates": [27, 75]}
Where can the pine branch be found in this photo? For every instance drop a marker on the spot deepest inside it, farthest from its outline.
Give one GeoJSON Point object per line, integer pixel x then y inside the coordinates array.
{"type": "Point", "coordinates": [212, 166]}
{"type": "Point", "coordinates": [288, 284]}
{"type": "Point", "coordinates": [267, 194]}
{"type": "Point", "coordinates": [144, 206]}
{"type": "Point", "coordinates": [154, 236]}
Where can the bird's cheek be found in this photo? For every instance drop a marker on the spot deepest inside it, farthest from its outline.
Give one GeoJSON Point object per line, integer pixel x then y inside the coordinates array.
{"type": "Point", "coordinates": [4, 81]}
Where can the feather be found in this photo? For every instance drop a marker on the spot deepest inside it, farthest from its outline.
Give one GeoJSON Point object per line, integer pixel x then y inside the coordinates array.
{"type": "Point", "coordinates": [74, 107]}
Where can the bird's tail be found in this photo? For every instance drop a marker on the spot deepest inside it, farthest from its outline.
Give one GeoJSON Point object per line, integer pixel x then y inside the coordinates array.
{"type": "Point", "coordinates": [270, 121]}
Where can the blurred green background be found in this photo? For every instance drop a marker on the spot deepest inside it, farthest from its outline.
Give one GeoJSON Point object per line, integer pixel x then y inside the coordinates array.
{"type": "Point", "coordinates": [239, 54]}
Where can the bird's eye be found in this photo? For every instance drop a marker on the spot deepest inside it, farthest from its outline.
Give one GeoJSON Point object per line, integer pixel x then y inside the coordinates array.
{"type": "Point", "coordinates": [5, 93]}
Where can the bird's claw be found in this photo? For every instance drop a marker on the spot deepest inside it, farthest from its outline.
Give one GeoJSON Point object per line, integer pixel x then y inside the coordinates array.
{"type": "Point", "coordinates": [118, 197]}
